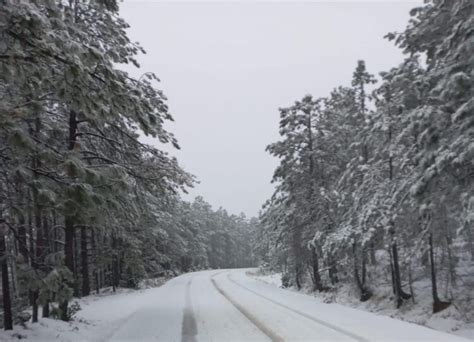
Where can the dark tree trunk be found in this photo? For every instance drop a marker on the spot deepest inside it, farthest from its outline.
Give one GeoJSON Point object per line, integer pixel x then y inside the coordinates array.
{"type": "Point", "coordinates": [114, 266]}
{"type": "Point", "coordinates": [84, 263]}
{"type": "Point", "coordinates": [46, 250]}
{"type": "Point", "coordinates": [317, 286]}
{"type": "Point", "coordinates": [392, 273]}
{"type": "Point", "coordinates": [46, 310]}
{"type": "Point", "coordinates": [38, 257]}
{"type": "Point", "coordinates": [121, 265]}
{"type": "Point", "coordinates": [35, 309]}
{"type": "Point", "coordinates": [434, 286]}
{"type": "Point", "coordinates": [69, 222]}
{"type": "Point", "coordinates": [333, 271]}
{"type": "Point", "coordinates": [54, 245]}
{"type": "Point", "coordinates": [37, 212]}
{"type": "Point", "coordinates": [22, 238]}
{"type": "Point", "coordinates": [32, 293]}
{"type": "Point", "coordinates": [68, 260]}
{"type": "Point", "coordinates": [102, 278]}
{"type": "Point", "coordinates": [77, 258]}
{"type": "Point", "coordinates": [297, 256]}
{"type": "Point", "coordinates": [400, 295]}
{"type": "Point", "coordinates": [438, 305]}
{"type": "Point", "coordinates": [373, 259]}
{"type": "Point", "coordinates": [115, 273]}
{"type": "Point", "coordinates": [364, 267]}
{"type": "Point", "coordinates": [97, 281]}
{"type": "Point", "coordinates": [7, 305]}
{"type": "Point", "coordinates": [96, 268]}
{"type": "Point", "coordinates": [365, 294]}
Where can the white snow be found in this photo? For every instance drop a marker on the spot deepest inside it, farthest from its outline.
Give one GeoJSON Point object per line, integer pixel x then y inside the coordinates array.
{"type": "Point", "coordinates": [449, 320]}
{"type": "Point", "coordinates": [142, 314]}
{"type": "Point", "coordinates": [157, 314]}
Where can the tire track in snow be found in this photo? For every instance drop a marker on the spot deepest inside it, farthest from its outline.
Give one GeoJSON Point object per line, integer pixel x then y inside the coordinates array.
{"type": "Point", "coordinates": [189, 326]}
{"type": "Point", "coordinates": [326, 324]}
{"type": "Point", "coordinates": [254, 320]}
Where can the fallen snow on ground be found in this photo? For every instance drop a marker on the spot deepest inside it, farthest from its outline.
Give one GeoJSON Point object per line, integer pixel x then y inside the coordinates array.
{"type": "Point", "coordinates": [450, 320]}
{"type": "Point", "coordinates": [221, 305]}
{"type": "Point", "coordinates": [99, 318]}
{"type": "Point", "coordinates": [271, 278]}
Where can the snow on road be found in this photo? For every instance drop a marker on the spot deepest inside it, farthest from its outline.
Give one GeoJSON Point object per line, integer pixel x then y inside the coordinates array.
{"type": "Point", "coordinates": [223, 306]}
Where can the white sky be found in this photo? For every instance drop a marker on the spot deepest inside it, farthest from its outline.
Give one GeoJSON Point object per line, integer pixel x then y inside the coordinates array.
{"type": "Point", "coordinates": [226, 66]}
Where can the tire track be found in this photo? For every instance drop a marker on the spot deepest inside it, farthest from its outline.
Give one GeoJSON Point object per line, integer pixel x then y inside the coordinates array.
{"type": "Point", "coordinates": [254, 320]}
{"type": "Point", "coordinates": [189, 326]}
{"type": "Point", "coordinates": [324, 323]}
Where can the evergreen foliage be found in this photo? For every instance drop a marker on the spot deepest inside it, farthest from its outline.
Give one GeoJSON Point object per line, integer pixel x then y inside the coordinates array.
{"type": "Point", "coordinates": [379, 183]}
{"type": "Point", "coordinates": [84, 204]}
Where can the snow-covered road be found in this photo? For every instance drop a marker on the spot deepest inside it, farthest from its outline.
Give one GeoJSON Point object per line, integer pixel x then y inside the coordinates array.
{"type": "Point", "coordinates": [226, 305]}
{"type": "Point", "coordinates": [230, 305]}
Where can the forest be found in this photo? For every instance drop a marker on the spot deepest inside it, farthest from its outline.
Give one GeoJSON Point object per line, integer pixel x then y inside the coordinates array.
{"type": "Point", "coordinates": [84, 203]}
{"type": "Point", "coordinates": [374, 184]}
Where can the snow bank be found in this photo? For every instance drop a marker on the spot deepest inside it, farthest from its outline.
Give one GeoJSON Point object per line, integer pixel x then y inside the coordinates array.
{"type": "Point", "coordinates": [100, 316]}
{"type": "Point", "coordinates": [451, 320]}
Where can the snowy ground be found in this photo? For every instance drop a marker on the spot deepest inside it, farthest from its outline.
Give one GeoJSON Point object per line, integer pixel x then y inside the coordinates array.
{"type": "Point", "coordinates": [451, 320]}
{"type": "Point", "coordinates": [223, 305]}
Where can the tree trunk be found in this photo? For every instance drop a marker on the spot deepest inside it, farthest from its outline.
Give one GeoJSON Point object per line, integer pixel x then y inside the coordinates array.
{"type": "Point", "coordinates": [297, 256]}
{"type": "Point", "coordinates": [69, 222]}
{"type": "Point", "coordinates": [410, 282]}
{"type": "Point", "coordinates": [22, 238]}
{"type": "Point", "coordinates": [54, 245]}
{"type": "Point", "coordinates": [14, 274]}
{"type": "Point", "coordinates": [68, 260]}
{"type": "Point", "coordinates": [364, 267]}
{"type": "Point", "coordinates": [37, 212]}
{"type": "Point", "coordinates": [97, 281]}
{"type": "Point", "coordinates": [77, 258]}
{"type": "Point", "coordinates": [96, 269]}
{"type": "Point", "coordinates": [400, 295]}
{"type": "Point", "coordinates": [35, 309]}
{"type": "Point", "coordinates": [114, 266]}
{"type": "Point", "coordinates": [7, 305]}
{"type": "Point", "coordinates": [373, 259]}
{"type": "Point", "coordinates": [392, 273]}
{"type": "Point", "coordinates": [332, 271]}
{"type": "Point", "coordinates": [39, 255]}
{"type": "Point", "coordinates": [84, 263]}
{"type": "Point", "coordinates": [438, 305]}
{"type": "Point", "coordinates": [46, 310]}
{"type": "Point", "coordinates": [365, 294]}
{"type": "Point", "coordinates": [315, 265]}
{"type": "Point", "coordinates": [46, 245]}
{"type": "Point", "coordinates": [32, 293]}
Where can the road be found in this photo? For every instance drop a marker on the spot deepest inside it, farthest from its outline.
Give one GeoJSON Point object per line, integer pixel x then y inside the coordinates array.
{"type": "Point", "coordinates": [232, 306]}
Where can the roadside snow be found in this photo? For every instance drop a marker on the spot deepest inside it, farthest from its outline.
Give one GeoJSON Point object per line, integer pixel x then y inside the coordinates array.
{"type": "Point", "coordinates": [366, 326]}
{"type": "Point", "coordinates": [99, 319]}
{"type": "Point", "coordinates": [272, 279]}
{"type": "Point", "coordinates": [225, 305]}
{"type": "Point", "coordinates": [450, 320]}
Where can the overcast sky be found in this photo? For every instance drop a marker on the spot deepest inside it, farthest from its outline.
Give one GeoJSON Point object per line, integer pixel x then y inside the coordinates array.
{"type": "Point", "coordinates": [227, 66]}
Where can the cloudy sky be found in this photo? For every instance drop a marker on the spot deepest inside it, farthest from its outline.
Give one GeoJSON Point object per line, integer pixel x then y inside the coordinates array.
{"type": "Point", "coordinates": [227, 66]}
